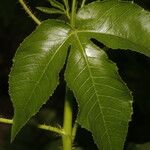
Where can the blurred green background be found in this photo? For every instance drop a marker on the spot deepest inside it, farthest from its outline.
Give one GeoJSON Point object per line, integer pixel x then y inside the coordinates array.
{"type": "Point", "coordinates": [134, 69]}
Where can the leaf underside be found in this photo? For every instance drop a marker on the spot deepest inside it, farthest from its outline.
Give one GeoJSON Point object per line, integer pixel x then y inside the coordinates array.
{"type": "Point", "coordinates": [104, 101]}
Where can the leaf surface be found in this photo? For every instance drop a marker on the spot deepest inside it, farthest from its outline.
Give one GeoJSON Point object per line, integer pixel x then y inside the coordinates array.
{"type": "Point", "coordinates": [104, 101]}
{"type": "Point", "coordinates": [35, 72]}
{"type": "Point", "coordinates": [118, 25]}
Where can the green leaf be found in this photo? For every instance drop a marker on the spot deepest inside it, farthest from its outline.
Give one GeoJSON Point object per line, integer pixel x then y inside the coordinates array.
{"type": "Point", "coordinates": [50, 10]}
{"type": "Point", "coordinates": [35, 72]}
{"type": "Point", "coordinates": [104, 101]}
{"type": "Point", "coordinates": [118, 25]}
{"type": "Point", "coordinates": [57, 4]}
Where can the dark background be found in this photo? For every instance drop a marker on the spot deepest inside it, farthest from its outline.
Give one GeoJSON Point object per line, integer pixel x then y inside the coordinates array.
{"type": "Point", "coordinates": [134, 69]}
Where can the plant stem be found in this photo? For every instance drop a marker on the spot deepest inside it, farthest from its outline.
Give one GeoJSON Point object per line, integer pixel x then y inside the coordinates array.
{"type": "Point", "coordinates": [67, 8]}
{"type": "Point", "coordinates": [6, 121]}
{"type": "Point", "coordinates": [67, 124]}
{"type": "Point", "coordinates": [83, 3]}
{"type": "Point", "coordinates": [73, 13]}
{"type": "Point", "coordinates": [40, 126]}
{"type": "Point", "coordinates": [66, 4]}
{"type": "Point", "coordinates": [67, 14]}
{"type": "Point", "coordinates": [74, 130]}
{"type": "Point", "coordinates": [52, 129]}
{"type": "Point", "coordinates": [34, 18]}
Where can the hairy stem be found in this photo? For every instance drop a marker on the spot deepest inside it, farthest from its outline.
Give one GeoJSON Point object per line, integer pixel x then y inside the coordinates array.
{"type": "Point", "coordinates": [34, 18]}
{"type": "Point", "coordinates": [51, 129]}
{"type": "Point", "coordinates": [40, 126]}
{"type": "Point", "coordinates": [67, 124]}
{"type": "Point", "coordinates": [73, 13]}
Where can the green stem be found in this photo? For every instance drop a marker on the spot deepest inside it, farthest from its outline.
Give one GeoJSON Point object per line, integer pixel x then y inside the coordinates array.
{"type": "Point", "coordinates": [73, 13]}
{"type": "Point", "coordinates": [83, 3]}
{"type": "Point", "coordinates": [51, 129]}
{"type": "Point", "coordinates": [66, 4]}
{"type": "Point", "coordinates": [74, 131]}
{"type": "Point", "coordinates": [6, 121]}
{"type": "Point", "coordinates": [67, 8]}
{"type": "Point", "coordinates": [67, 14]}
{"type": "Point", "coordinates": [40, 126]}
{"type": "Point", "coordinates": [67, 124]}
{"type": "Point", "coordinates": [34, 18]}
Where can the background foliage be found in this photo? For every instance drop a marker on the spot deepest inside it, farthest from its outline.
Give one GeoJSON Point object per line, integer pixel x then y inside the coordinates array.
{"type": "Point", "coordinates": [134, 68]}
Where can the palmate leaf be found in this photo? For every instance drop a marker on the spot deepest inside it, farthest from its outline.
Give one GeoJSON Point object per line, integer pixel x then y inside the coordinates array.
{"type": "Point", "coordinates": [104, 100]}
